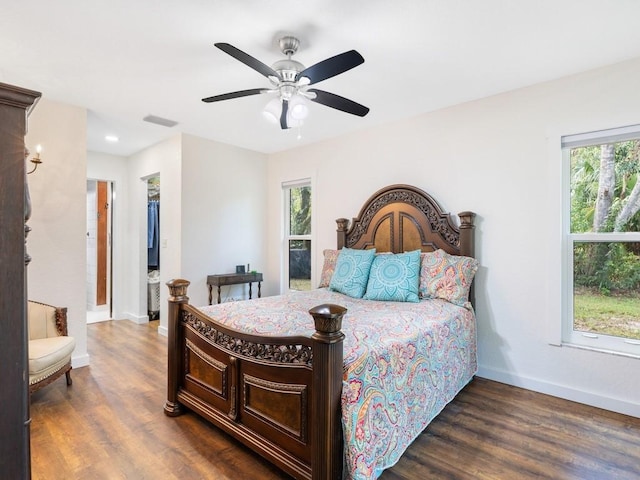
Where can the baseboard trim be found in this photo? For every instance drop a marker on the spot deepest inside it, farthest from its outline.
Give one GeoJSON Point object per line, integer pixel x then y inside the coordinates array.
{"type": "Point", "coordinates": [139, 319]}
{"type": "Point", "coordinates": [80, 360]}
{"type": "Point", "coordinates": [164, 331]}
{"type": "Point", "coordinates": [561, 391]}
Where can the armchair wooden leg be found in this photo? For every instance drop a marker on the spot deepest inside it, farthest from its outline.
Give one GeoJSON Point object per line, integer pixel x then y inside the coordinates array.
{"type": "Point", "coordinates": [68, 375]}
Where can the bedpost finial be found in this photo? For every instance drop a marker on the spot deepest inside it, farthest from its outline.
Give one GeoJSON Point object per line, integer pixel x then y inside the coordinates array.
{"type": "Point", "coordinates": [466, 219]}
{"type": "Point", "coordinates": [467, 234]}
{"type": "Point", "coordinates": [343, 225]}
{"type": "Point", "coordinates": [328, 317]}
{"type": "Point", "coordinates": [178, 290]}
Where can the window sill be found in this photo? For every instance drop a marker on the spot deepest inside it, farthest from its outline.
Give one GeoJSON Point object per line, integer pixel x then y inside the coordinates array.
{"type": "Point", "coordinates": [602, 350]}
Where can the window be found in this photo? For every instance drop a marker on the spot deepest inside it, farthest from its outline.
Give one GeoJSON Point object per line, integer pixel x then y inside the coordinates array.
{"type": "Point", "coordinates": [297, 200]}
{"type": "Point", "coordinates": [602, 248]}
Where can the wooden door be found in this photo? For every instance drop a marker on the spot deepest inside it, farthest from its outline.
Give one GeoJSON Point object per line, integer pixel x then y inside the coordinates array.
{"type": "Point", "coordinates": [102, 209]}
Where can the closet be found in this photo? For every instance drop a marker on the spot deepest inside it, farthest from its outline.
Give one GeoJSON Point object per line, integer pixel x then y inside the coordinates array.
{"type": "Point", "coordinates": [153, 248]}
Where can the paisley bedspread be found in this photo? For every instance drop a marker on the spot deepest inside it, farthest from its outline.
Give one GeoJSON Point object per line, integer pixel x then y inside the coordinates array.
{"type": "Point", "coordinates": [403, 362]}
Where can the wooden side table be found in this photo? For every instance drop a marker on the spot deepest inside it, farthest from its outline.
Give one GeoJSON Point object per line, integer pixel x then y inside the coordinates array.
{"type": "Point", "coordinates": [221, 280]}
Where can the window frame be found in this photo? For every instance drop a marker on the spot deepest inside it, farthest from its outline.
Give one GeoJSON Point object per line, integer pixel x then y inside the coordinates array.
{"type": "Point", "coordinates": [569, 336]}
{"type": "Point", "coordinates": [286, 235]}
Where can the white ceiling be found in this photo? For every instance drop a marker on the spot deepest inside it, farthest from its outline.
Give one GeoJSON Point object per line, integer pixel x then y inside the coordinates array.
{"type": "Point", "coordinates": [125, 59]}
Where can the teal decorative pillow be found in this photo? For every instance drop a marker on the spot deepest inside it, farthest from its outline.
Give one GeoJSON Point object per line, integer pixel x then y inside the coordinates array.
{"type": "Point", "coordinates": [394, 277]}
{"type": "Point", "coordinates": [329, 266]}
{"type": "Point", "coordinates": [447, 276]}
{"type": "Point", "coordinates": [352, 271]}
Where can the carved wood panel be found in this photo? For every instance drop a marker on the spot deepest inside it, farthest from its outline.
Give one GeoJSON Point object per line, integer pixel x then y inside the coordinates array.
{"type": "Point", "coordinates": [400, 218]}
{"type": "Point", "coordinates": [205, 370]}
{"type": "Point", "coordinates": [282, 405]}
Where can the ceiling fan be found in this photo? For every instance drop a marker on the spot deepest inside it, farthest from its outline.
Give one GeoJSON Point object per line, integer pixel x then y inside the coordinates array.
{"type": "Point", "coordinates": [290, 81]}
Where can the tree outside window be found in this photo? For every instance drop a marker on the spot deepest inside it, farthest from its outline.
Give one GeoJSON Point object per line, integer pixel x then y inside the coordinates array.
{"type": "Point", "coordinates": [604, 240]}
{"type": "Point", "coordinates": [299, 237]}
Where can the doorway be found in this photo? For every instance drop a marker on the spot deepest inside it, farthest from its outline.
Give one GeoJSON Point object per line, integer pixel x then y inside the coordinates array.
{"type": "Point", "coordinates": [153, 248]}
{"type": "Point", "coordinates": [99, 250]}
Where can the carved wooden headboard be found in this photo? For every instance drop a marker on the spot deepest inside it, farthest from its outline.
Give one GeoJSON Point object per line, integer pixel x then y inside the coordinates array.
{"type": "Point", "coordinates": [401, 218]}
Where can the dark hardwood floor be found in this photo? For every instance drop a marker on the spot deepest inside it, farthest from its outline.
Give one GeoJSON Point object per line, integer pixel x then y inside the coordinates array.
{"type": "Point", "coordinates": [110, 425]}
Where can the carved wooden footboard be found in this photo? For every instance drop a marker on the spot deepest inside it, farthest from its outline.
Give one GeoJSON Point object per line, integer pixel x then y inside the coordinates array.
{"type": "Point", "coordinates": [279, 396]}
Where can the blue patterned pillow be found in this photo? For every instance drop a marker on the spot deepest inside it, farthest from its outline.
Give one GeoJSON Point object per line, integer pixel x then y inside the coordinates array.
{"type": "Point", "coordinates": [352, 271]}
{"type": "Point", "coordinates": [394, 277]}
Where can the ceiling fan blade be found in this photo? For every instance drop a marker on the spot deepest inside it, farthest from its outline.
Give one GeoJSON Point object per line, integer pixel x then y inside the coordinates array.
{"type": "Point", "coordinates": [340, 103]}
{"type": "Point", "coordinates": [228, 96]}
{"type": "Point", "coordinates": [283, 115]}
{"type": "Point", "coordinates": [248, 60]}
{"type": "Point", "coordinates": [331, 67]}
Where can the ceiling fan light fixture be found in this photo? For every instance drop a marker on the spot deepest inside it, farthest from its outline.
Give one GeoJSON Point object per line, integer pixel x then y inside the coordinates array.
{"type": "Point", "coordinates": [293, 122]}
{"type": "Point", "coordinates": [273, 110]}
{"type": "Point", "coordinates": [298, 107]}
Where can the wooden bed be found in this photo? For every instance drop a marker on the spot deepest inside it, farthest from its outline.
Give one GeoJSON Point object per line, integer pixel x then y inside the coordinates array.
{"type": "Point", "coordinates": [281, 396]}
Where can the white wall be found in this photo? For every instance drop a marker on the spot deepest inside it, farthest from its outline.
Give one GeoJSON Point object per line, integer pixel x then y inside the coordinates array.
{"type": "Point", "coordinates": [212, 217]}
{"type": "Point", "coordinates": [112, 168]}
{"type": "Point", "coordinates": [223, 214]}
{"type": "Point", "coordinates": [164, 159]}
{"type": "Point", "coordinates": [57, 242]}
{"type": "Point", "coordinates": [498, 157]}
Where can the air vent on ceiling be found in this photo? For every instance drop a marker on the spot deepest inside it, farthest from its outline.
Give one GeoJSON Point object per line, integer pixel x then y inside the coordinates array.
{"type": "Point", "coordinates": [165, 122]}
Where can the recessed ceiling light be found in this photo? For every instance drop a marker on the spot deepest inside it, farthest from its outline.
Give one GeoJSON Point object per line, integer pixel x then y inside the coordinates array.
{"type": "Point", "coordinates": [111, 138]}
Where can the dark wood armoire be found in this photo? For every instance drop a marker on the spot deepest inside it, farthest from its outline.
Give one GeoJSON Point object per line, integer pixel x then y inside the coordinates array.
{"type": "Point", "coordinates": [15, 105]}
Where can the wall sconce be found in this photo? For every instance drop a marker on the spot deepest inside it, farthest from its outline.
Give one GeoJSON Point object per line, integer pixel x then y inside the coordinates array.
{"type": "Point", "coordinates": [36, 159]}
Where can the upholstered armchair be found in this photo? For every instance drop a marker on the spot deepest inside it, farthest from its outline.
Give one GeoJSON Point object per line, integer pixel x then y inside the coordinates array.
{"type": "Point", "coordinates": [50, 347]}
